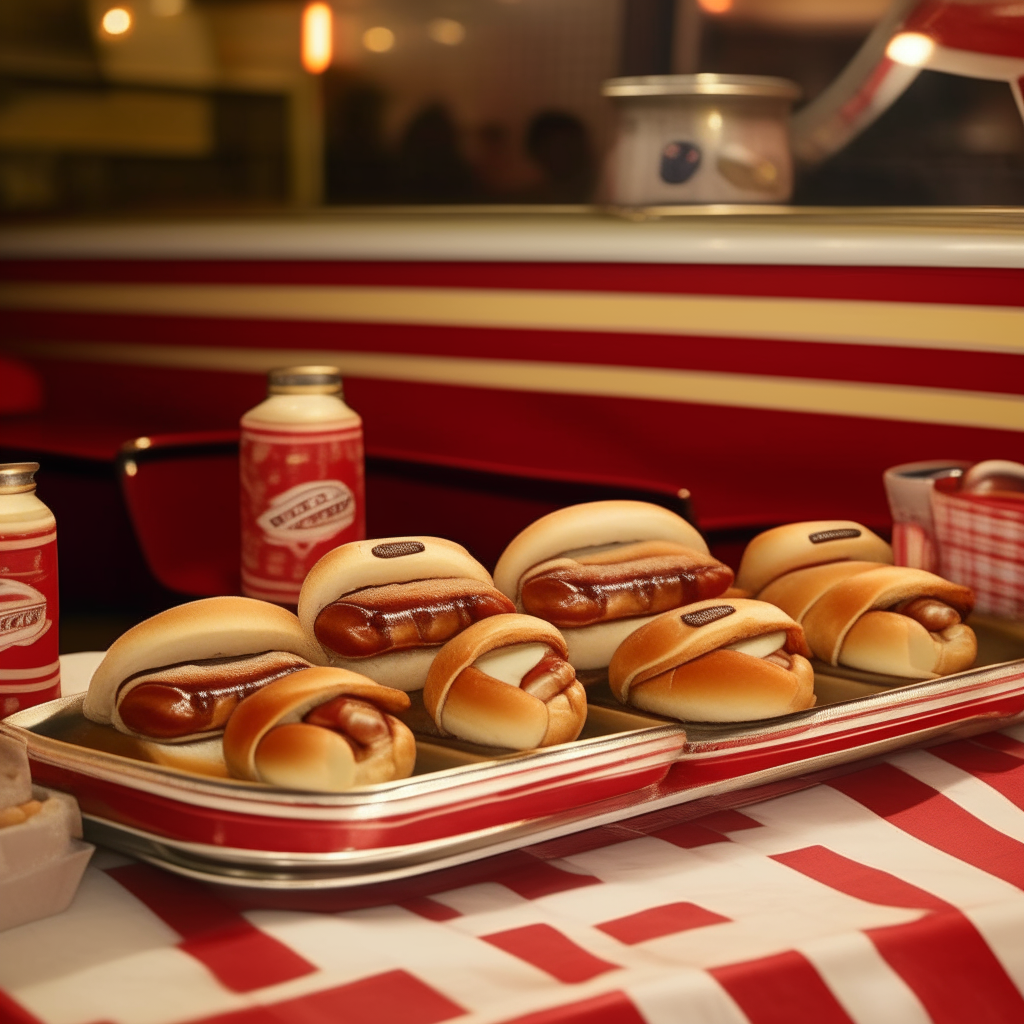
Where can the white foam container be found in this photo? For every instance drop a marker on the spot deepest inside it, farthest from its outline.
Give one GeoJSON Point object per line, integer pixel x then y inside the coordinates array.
{"type": "Point", "coordinates": [42, 860]}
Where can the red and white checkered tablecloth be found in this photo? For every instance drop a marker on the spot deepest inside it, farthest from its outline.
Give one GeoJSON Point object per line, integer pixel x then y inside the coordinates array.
{"type": "Point", "coordinates": [893, 895]}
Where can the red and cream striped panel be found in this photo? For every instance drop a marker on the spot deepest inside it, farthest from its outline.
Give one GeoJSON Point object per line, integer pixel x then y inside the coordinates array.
{"type": "Point", "coordinates": [772, 392]}
{"type": "Point", "coordinates": [893, 895]}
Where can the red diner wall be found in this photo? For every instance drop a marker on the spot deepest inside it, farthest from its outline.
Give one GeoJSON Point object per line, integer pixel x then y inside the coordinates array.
{"type": "Point", "coordinates": [744, 466]}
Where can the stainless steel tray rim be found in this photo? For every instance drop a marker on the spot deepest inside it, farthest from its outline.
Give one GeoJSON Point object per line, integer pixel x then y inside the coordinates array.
{"type": "Point", "coordinates": [517, 834]}
{"type": "Point", "coordinates": [405, 795]}
{"type": "Point", "coordinates": [948, 691]}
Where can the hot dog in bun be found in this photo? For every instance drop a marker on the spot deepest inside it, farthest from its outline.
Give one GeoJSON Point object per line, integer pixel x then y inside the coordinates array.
{"type": "Point", "coordinates": [323, 729]}
{"type": "Point", "coordinates": [857, 609]}
{"type": "Point", "coordinates": [799, 545]}
{"type": "Point", "coordinates": [505, 682]}
{"type": "Point", "coordinates": [384, 607]}
{"type": "Point", "coordinates": [178, 676]}
{"type": "Point", "coordinates": [716, 661]}
{"type": "Point", "coordinates": [600, 570]}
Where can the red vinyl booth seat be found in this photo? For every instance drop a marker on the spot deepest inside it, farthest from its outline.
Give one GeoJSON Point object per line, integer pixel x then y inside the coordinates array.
{"type": "Point", "coordinates": [181, 491]}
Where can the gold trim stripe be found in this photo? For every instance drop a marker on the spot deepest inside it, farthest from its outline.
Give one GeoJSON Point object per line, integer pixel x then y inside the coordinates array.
{"type": "Point", "coordinates": [912, 324]}
{"type": "Point", "coordinates": [786, 394]}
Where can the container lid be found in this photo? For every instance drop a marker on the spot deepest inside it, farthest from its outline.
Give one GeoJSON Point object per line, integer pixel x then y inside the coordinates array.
{"type": "Point", "coordinates": [18, 477]}
{"type": "Point", "coordinates": [704, 84]}
{"type": "Point", "coordinates": [305, 380]}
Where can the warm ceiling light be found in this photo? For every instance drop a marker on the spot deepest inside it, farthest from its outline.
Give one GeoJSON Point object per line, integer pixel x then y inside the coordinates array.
{"type": "Point", "coordinates": [715, 6]}
{"type": "Point", "coordinates": [446, 31]}
{"type": "Point", "coordinates": [378, 39]}
{"type": "Point", "coordinates": [317, 38]}
{"type": "Point", "coordinates": [910, 48]}
{"type": "Point", "coordinates": [116, 21]}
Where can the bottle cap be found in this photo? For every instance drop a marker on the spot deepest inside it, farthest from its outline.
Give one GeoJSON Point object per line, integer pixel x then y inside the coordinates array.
{"type": "Point", "coordinates": [305, 380]}
{"type": "Point", "coordinates": [18, 477]}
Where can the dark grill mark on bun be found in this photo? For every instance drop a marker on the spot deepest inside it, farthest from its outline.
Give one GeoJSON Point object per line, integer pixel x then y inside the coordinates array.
{"type": "Point", "coordinates": [707, 615]}
{"type": "Point", "coordinates": [824, 536]}
{"type": "Point", "coordinates": [397, 549]}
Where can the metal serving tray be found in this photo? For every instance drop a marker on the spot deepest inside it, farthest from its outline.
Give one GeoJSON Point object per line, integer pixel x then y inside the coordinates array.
{"type": "Point", "coordinates": [468, 803]}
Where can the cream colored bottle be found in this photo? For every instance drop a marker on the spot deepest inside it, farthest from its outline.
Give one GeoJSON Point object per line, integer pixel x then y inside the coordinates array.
{"type": "Point", "coordinates": [29, 604]}
{"type": "Point", "coordinates": [302, 489]}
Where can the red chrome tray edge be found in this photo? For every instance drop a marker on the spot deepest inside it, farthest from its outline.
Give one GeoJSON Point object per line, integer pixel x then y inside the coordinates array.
{"type": "Point", "coordinates": [240, 868]}
{"type": "Point", "coordinates": [715, 760]}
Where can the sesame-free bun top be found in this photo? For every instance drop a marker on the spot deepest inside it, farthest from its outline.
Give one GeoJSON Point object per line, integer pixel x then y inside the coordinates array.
{"type": "Point", "coordinates": [680, 636]}
{"type": "Point", "coordinates": [215, 627]}
{"type": "Point", "coordinates": [799, 545]}
{"type": "Point", "coordinates": [376, 563]}
{"type": "Point", "coordinates": [589, 525]}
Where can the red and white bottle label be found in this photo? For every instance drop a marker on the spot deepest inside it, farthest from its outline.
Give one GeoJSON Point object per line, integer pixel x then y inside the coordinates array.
{"type": "Point", "coordinates": [302, 495]}
{"type": "Point", "coordinates": [29, 647]}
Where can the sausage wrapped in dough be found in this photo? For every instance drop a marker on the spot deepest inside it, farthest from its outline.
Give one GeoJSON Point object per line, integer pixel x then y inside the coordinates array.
{"type": "Point", "coordinates": [324, 729]}
{"type": "Point", "coordinates": [857, 609]}
{"type": "Point", "coordinates": [716, 661]}
{"type": "Point", "coordinates": [505, 682]}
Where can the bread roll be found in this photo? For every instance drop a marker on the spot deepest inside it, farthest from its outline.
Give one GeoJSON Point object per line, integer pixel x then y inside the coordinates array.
{"type": "Point", "coordinates": [505, 682]}
{"type": "Point", "coordinates": [600, 570]}
{"type": "Point", "coordinates": [384, 607]}
{"type": "Point", "coordinates": [321, 729]}
{"type": "Point", "coordinates": [716, 661]}
{"type": "Point", "coordinates": [798, 545]}
{"type": "Point", "coordinates": [177, 676]}
{"type": "Point", "coordinates": [880, 618]}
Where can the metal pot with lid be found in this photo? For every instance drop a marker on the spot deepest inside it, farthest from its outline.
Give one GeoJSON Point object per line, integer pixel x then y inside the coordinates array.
{"type": "Point", "coordinates": [705, 138]}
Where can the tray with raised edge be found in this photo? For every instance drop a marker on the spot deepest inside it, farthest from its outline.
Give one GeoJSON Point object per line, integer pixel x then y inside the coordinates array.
{"type": "Point", "coordinates": [470, 803]}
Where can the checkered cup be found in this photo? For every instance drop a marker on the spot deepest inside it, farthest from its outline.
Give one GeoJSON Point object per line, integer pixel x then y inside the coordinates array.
{"type": "Point", "coordinates": [973, 539]}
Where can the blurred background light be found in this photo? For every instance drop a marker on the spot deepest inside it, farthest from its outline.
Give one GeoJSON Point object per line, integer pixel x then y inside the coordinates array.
{"type": "Point", "coordinates": [378, 39]}
{"type": "Point", "coordinates": [910, 48]}
{"type": "Point", "coordinates": [167, 8]}
{"type": "Point", "coordinates": [446, 31]}
{"type": "Point", "coordinates": [117, 21]}
{"type": "Point", "coordinates": [715, 6]}
{"type": "Point", "coordinates": [317, 38]}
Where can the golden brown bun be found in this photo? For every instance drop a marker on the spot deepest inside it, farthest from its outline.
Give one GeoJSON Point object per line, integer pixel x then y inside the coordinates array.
{"type": "Point", "coordinates": [266, 739]}
{"type": "Point", "coordinates": [214, 627]}
{"type": "Point", "coordinates": [798, 545]}
{"type": "Point", "coordinates": [895, 645]}
{"type": "Point", "coordinates": [796, 592]}
{"type": "Point", "coordinates": [728, 686]}
{"type": "Point", "coordinates": [591, 524]}
{"type": "Point", "coordinates": [475, 706]}
{"type": "Point", "coordinates": [684, 635]}
{"type": "Point", "coordinates": [355, 566]}
{"type": "Point", "coordinates": [847, 619]}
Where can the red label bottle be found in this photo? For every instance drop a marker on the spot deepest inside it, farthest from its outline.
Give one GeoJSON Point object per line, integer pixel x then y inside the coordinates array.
{"type": "Point", "coordinates": [301, 479]}
{"type": "Point", "coordinates": [29, 647]}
